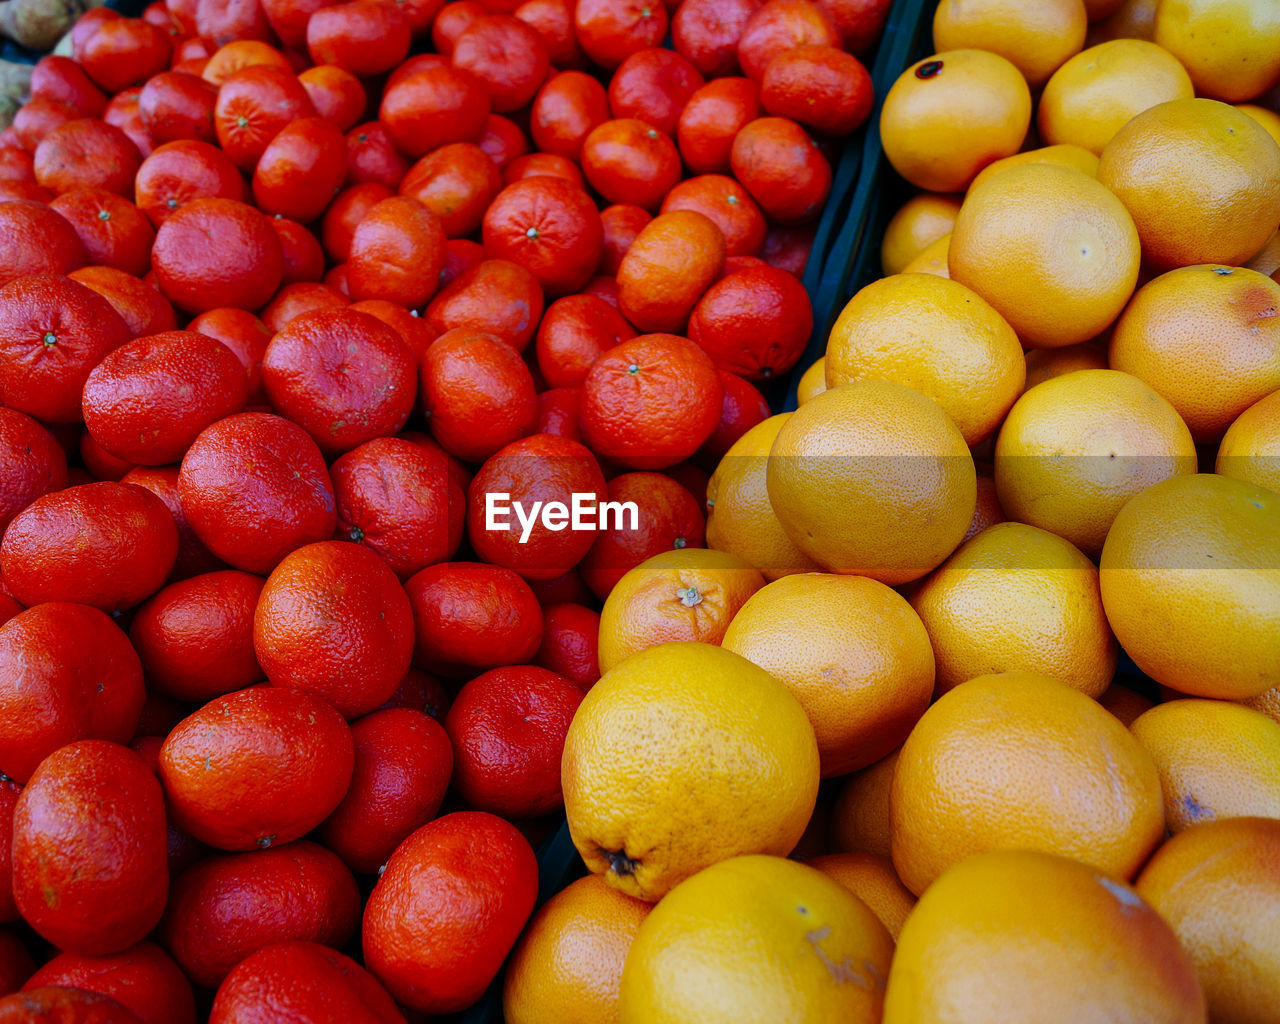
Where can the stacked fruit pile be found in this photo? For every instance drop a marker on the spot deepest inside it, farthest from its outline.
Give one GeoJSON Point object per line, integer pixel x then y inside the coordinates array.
{"type": "Point", "coordinates": [362, 368]}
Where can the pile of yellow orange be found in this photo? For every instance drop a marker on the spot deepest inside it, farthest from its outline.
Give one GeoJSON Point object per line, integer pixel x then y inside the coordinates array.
{"type": "Point", "coordinates": [1050, 432]}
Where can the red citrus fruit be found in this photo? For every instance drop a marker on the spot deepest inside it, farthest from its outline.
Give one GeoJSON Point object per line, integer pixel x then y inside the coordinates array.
{"type": "Point", "coordinates": [293, 300]}
{"type": "Point", "coordinates": [336, 94]}
{"type": "Point", "coordinates": [38, 240]}
{"type": "Point", "coordinates": [90, 869]}
{"type": "Point", "coordinates": [181, 172]}
{"type": "Point", "coordinates": [654, 85]}
{"type": "Point", "coordinates": [53, 331]}
{"type": "Point", "coordinates": [256, 768]}
{"type": "Point", "coordinates": [672, 262]}
{"type": "Point", "coordinates": [782, 25]}
{"type": "Point", "coordinates": [566, 109]}
{"type": "Point", "coordinates": [254, 487]}
{"type": "Point", "coordinates": [345, 213]}
{"type": "Point", "coordinates": [629, 161]}
{"type": "Point", "coordinates": [754, 322]}
{"type": "Point", "coordinates": [109, 545]}
{"type": "Point", "coordinates": [822, 87]}
{"type": "Point", "coordinates": [55, 1004]}
{"type": "Point", "coordinates": [143, 979]}
{"type": "Point", "coordinates": [472, 615]}
{"type": "Point", "coordinates": [560, 413]}
{"type": "Point", "coordinates": [363, 38]}
{"type": "Point", "coordinates": [333, 620]}
{"type": "Point", "coordinates": [455, 182]}
{"type": "Point", "coordinates": [781, 167]}
{"type": "Point", "coordinates": [217, 252]}
{"type": "Point", "coordinates": [372, 156]}
{"type": "Point", "coordinates": [397, 253]}
{"type": "Point", "coordinates": [63, 79]}
{"type": "Point", "coordinates": [622, 222]}
{"type": "Point", "coordinates": [447, 910]}
{"type": "Point", "coordinates": [397, 498]}
{"type": "Point", "coordinates": [433, 105]}
{"type": "Point", "coordinates": [300, 250]}
{"type": "Point", "coordinates": [114, 232]}
{"type": "Point", "coordinates": [343, 376]}
{"type": "Point", "coordinates": [611, 30]}
{"type": "Point", "coordinates": [9, 791]}
{"type": "Point", "coordinates": [550, 228]}
{"type": "Point", "coordinates": [727, 205]}
{"type": "Point", "coordinates": [195, 637]}
{"type": "Point", "coordinates": [650, 402]}
{"type": "Point", "coordinates": [32, 463]}
{"type": "Point", "coordinates": [506, 55]}
{"type": "Point", "coordinates": [253, 105]}
{"type": "Point", "coordinates": [478, 394]}
{"type": "Point", "coordinates": [147, 400]}
{"type": "Point", "coordinates": [569, 643]}
{"type": "Point", "coordinates": [301, 983]}
{"type": "Point", "coordinates": [301, 169]}
{"type": "Point", "coordinates": [575, 331]}
{"type": "Point", "coordinates": [193, 557]}
{"type": "Point", "coordinates": [245, 335]}
{"type": "Point", "coordinates": [178, 105]}
{"type": "Point", "coordinates": [403, 763]}
{"type": "Point", "coordinates": [124, 52]}
{"type": "Point", "coordinates": [229, 905]}
{"type": "Point", "coordinates": [495, 296]}
{"type": "Point", "coordinates": [140, 304]}
{"type": "Point", "coordinates": [743, 407]}
{"type": "Point", "coordinates": [706, 33]}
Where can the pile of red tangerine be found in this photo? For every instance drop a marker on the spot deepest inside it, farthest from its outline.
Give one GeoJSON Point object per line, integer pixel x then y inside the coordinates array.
{"type": "Point", "coordinates": [403, 283]}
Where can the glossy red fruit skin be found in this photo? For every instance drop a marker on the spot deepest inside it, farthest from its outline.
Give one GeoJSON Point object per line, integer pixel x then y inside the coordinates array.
{"type": "Point", "coordinates": [333, 620]}
{"type": "Point", "coordinates": [550, 228]}
{"type": "Point", "coordinates": [301, 169]}
{"type": "Point", "coordinates": [229, 905]}
{"type": "Point", "coordinates": [55, 1004]}
{"type": "Point", "coordinates": [143, 979]}
{"type": "Point", "coordinates": [73, 675]}
{"type": "Point", "coordinates": [301, 983]}
{"type": "Point", "coordinates": [256, 768]}
{"type": "Point", "coordinates": [105, 544]}
{"type": "Point", "coordinates": [146, 401]}
{"type": "Point", "coordinates": [32, 463]}
{"type": "Point", "coordinates": [9, 792]}
{"type": "Point", "coordinates": [508, 727]}
{"type": "Point", "coordinates": [90, 864]}
{"type": "Point", "coordinates": [448, 909]}
{"type": "Point", "coordinates": [403, 763]}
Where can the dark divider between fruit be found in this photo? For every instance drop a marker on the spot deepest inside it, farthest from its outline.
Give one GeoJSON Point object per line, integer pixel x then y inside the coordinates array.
{"type": "Point", "coordinates": [846, 246]}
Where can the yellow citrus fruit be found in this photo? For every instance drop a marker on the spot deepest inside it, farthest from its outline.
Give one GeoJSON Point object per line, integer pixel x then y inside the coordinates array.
{"type": "Point", "coordinates": [740, 518]}
{"type": "Point", "coordinates": [1269, 119]}
{"type": "Point", "coordinates": [932, 259]}
{"type": "Point", "coordinates": [681, 756]}
{"type": "Point", "coordinates": [1074, 449]}
{"type": "Point", "coordinates": [1035, 38]}
{"type": "Point", "coordinates": [685, 594]}
{"type": "Point", "coordinates": [919, 222]}
{"type": "Point", "coordinates": [1218, 886]}
{"type": "Point", "coordinates": [1075, 157]}
{"type": "Point", "coordinates": [1200, 179]}
{"type": "Point", "coordinates": [1021, 761]}
{"type": "Point", "coordinates": [1124, 703]}
{"type": "Point", "coordinates": [1216, 759]}
{"type": "Point", "coordinates": [813, 381]}
{"type": "Point", "coordinates": [1267, 259]}
{"type": "Point", "coordinates": [850, 650]}
{"type": "Point", "coordinates": [948, 116]}
{"type": "Point", "coordinates": [1129, 19]}
{"type": "Point", "coordinates": [937, 337]}
{"type": "Point", "coordinates": [567, 966]}
{"type": "Point", "coordinates": [872, 478]}
{"type": "Point", "coordinates": [1050, 249]}
{"type": "Point", "coordinates": [1231, 47]}
{"type": "Point", "coordinates": [1046, 363]}
{"type": "Point", "coordinates": [987, 512]}
{"type": "Point", "coordinates": [860, 817]}
{"type": "Point", "coordinates": [872, 879]}
{"type": "Point", "coordinates": [1022, 936]}
{"type": "Point", "coordinates": [1250, 449]}
{"type": "Point", "coordinates": [1207, 338]}
{"type": "Point", "coordinates": [1017, 599]}
{"type": "Point", "coordinates": [757, 940]}
{"type": "Point", "coordinates": [1097, 91]}
{"type": "Point", "coordinates": [1190, 579]}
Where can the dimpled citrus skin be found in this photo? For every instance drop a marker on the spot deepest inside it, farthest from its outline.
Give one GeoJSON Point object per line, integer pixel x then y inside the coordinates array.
{"type": "Point", "coordinates": [1230, 47]}
{"type": "Point", "coordinates": [1075, 448]}
{"type": "Point", "coordinates": [1190, 585]}
{"type": "Point", "coordinates": [949, 115]}
{"type": "Point", "coordinates": [683, 594]}
{"type": "Point", "coordinates": [1036, 37]}
{"type": "Point", "coordinates": [727, 759]}
{"type": "Point", "coordinates": [757, 940]}
{"type": "Point", "coordinates": [740, 518]}
{"type": "Point", "coordinates": [1250, 449]}
{"type": "Point", "coordinates": [1216, 760]}
{"type": "Point", "coordinates": [935, 336]}
{"type": "Point", "coordinates": [1016, 598]}
{"type": "Point", "coordinates": [1050, 248]}
{"type": "Point", "coordinates": [1063, 156]}
{"type": "Point", "coordinates": [568, 964]}
{"type": "Point", "coordinates": [1018, 936]}
{"type": "Point", "coordinates": [1021, 761]}
{"type": "Point", "coordinates": [850, 650]}
{"type": "Point", "coordinates": [873, 478]}
{"type": "Point", "coordinates": [870, 877]}
{"type": "Point", "coordinates": [1200, 179]}
{"type": "Point", "coordinates": [1218, 886]}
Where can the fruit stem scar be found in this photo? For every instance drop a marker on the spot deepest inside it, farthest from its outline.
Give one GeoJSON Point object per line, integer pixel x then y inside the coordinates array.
{"type": "Point", "coordinates": [531, 233]}
{"type": "Point", "coordinates": [242, 121]}
{"type": "Point", "coordinates": [928, 69]}
{"type": "Point", "coordinates": [633, 369]}
{"type": "Point", "coordinates": [50, 339]}
{"type": "Point", "coordinates": [266, 841]}
{"type": "Point", "coordinates": [620, 864]}
{"type": "Point", "coordinates": [356, 534]}
{"type": "Point", "coordinates": [1223, 271]}
{"type": "Point", "coordinates": [689, 596]}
